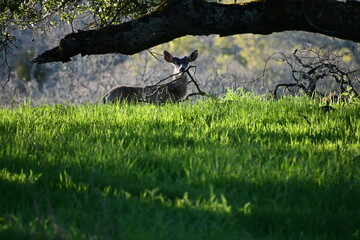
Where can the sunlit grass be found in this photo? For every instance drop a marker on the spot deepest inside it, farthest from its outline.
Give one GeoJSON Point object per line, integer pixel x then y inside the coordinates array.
{"type": "Point", "coordinates": [240, 168]}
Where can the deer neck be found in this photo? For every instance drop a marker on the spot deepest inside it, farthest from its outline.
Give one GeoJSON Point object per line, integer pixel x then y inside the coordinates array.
{"type": "Point", "coordinates": [179, 86]}
{"type": "Point", "coordinates": [180, 79]}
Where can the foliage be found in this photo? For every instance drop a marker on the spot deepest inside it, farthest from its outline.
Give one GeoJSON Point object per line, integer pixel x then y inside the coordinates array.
{"type": "Point", "coordinates": [30, 13]}
{"type": "Point", "coordinates": [40, 15]}
{"type": "Point", "coordinates": [240, 168]}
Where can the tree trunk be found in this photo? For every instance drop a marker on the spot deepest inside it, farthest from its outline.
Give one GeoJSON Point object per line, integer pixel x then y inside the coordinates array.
{"type": "Point", "coordinates": [176, 18]}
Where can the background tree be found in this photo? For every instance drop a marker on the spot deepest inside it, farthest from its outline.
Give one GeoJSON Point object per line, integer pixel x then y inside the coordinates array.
{"type": "Point", "coordinates": [224, 62]}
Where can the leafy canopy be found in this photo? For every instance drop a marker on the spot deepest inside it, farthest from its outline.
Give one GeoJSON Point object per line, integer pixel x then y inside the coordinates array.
{"type": "Point", "coordinates": [42, 14]}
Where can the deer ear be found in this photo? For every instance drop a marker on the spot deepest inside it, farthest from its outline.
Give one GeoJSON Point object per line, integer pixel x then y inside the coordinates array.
{"type": "Point", "coordinates": [193, 56]}
{"type": "Point", "coordinates": [168, 57]}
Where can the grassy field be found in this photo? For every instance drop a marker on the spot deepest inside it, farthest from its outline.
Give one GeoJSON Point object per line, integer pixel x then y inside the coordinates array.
{"type": "Point", "coordinates": [245, 168]}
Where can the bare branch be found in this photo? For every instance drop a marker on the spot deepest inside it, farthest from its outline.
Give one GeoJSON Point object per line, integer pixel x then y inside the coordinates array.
{"type": "Point", "coordinates": [152, 54]}
{"type": "Point", "coordinates": [309, 66]}
{"type": "Point", "coordinates": [200, 92]}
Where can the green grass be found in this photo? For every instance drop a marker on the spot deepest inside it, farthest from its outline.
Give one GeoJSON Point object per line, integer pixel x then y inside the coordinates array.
{"type": "Point", "coordinates": [245, 168]}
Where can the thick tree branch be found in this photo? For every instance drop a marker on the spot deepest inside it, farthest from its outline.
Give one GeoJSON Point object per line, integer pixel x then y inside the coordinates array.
{"type": "Point", "coordinates": [176, 18]}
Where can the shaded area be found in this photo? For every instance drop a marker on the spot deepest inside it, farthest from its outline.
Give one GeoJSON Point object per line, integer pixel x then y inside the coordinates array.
{"type": "Point", "coordinates": [126, 205]}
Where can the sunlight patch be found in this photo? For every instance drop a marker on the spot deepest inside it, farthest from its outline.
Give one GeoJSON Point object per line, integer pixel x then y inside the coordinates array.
{"type": "Point", "coordinates": [21, 177]}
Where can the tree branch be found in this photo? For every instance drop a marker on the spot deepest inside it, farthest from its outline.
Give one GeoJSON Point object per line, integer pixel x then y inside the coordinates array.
{"type": "Point", "coordinates": [200, 92]}
{"type": "Point", "coordinates": [176, 18]}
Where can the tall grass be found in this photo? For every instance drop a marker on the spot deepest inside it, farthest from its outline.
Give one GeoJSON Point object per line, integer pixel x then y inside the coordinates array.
{"type": "Point", "coordinates": [241, 168]}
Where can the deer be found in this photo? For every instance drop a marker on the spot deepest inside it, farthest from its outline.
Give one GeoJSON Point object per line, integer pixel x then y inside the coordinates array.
{"type": "Point", "coordinates": [158, 93]}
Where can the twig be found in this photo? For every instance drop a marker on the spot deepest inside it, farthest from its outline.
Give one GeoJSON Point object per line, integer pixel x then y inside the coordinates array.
{"type": "Point", "coordinates": [161, 86]}
{"type": "Point", "coordinates": [190, 95]}
{"type": "Point", "coordinates": [7, 81]}
{"type": "Point", "coordinates": [8, 75]}
{"type": "Point", "coordinates": [152, 54]}
{"type": "Point", "coordinates": [200, 92]}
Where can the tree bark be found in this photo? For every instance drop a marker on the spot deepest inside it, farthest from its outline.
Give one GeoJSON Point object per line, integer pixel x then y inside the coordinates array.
{"type": "Point", "coordinates": [176, 18]}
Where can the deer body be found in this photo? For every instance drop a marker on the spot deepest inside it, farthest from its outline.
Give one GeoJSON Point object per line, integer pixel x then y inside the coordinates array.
{"type": "Point", "coordinates": [159, 93]}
